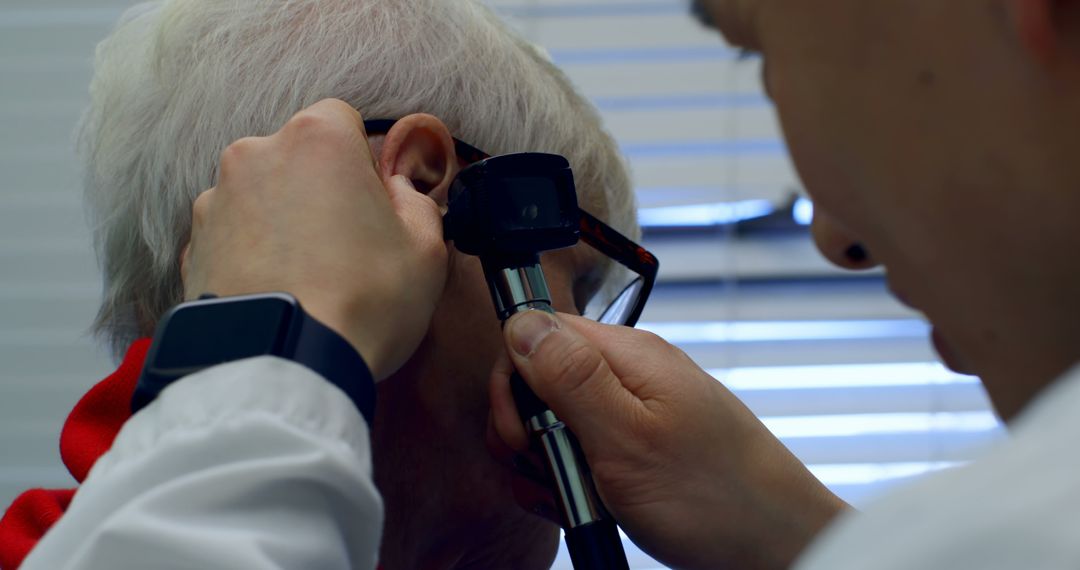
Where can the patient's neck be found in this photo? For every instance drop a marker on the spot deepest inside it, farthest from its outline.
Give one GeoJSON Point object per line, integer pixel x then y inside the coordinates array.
{"type": "Point", "coordinates": [422, 534]}
{"type": "Point", "coordinates": [448, 504]}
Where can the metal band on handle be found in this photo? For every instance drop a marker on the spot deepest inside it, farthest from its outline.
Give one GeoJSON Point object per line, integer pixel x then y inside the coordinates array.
{"type": "Point", "coordinates": [524, 288]}
{"type": "Point", "coordinates": [573, 486]}
{"type": "Point", "coordinates": [519, 289]}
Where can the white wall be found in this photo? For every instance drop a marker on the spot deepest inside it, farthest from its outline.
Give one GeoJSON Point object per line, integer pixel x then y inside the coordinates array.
{"type": "Point", "coordinates": [48, 279]}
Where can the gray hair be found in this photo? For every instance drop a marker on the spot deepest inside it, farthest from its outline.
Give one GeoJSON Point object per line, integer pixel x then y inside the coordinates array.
{"type": "Point", "coordinates": [178, 80]}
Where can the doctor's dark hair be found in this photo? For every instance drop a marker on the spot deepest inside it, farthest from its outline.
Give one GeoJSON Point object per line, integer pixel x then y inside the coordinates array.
{"type": "Point", "coordinates": [698, 10]}
{"type": "Point", "coordinates": [178, 80]}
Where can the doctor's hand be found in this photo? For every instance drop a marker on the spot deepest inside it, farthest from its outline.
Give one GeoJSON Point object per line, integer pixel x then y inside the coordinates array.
{"type": "Point", "coordinates": [304, 211]}
{"type": "Point", "coordinates": [692, 476]}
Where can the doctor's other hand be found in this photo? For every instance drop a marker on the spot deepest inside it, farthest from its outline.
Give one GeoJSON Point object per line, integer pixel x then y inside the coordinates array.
{"type": "Point", "coordinates": [692, 476]}
{"type": "Point", "coordinates": [304, 211]}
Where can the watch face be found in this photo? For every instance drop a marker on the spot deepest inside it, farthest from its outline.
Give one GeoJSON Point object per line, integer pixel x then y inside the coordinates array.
{"type": "Point", "coordinates": [206, 333]}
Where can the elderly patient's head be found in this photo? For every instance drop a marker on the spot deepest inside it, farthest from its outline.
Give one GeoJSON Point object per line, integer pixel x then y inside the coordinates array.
{"type": "Point", "coordinates": [179, 80]}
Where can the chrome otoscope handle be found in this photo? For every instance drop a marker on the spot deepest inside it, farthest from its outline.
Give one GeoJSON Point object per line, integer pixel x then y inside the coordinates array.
{"type": "Point", "coordinates": [592, 538]}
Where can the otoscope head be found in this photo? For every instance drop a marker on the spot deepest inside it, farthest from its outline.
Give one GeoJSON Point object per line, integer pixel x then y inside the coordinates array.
{"type": "Point", "coordinates": [507, 210]}
{"type": "Point", "coordinates": [513, 204]}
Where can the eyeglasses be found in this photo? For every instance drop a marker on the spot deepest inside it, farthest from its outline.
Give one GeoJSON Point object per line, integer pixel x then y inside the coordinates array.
{"type": "Point", "coordinates": [634, 276]}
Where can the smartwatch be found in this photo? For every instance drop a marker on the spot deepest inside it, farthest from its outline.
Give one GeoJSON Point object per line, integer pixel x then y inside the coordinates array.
{"type": "Point", "coordinates": [215, 330]}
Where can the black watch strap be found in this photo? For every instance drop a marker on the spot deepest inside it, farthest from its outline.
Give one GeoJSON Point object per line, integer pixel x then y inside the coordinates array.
{"type": "Point", "coordinates": [323, 350]}
{"type": "Point", "coordinates": [197, 335]}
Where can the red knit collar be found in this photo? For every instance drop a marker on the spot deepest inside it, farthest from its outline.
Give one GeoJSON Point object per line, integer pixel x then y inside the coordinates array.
{"type": "Point", "coordinates": [88, 433]}
{"type": "Point", "coordinates": [94, 422]}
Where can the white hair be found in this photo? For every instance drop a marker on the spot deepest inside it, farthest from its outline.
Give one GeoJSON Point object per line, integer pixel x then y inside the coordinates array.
{"type": "Point", "coordinates": [178, 80]}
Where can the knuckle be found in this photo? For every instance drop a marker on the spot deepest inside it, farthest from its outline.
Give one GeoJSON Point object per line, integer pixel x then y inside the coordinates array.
{"type": "Point", "coordinates": [434, 254]}
{"type": "Point", "coordinates": [313, 125]}
{"type": "Point", "coordinates": [648, 337]}
{"type": "Point", "coordinates": [338, 106]}
{"type": "Point", "coordinates": [638, 340]}
{"type": "Point", "coordinates": [185, 255]}
{"type": "Point", "coordinates": [200, 208]}
{"type": "Point", "coordinates": [576, 363]}
{"type": "Point", "coordinates": [235, 155]}
{"type": "Point", "coordinates": [304, 123]}
{"type": "Point", "coordinates": [668, 354]}
{"type": "Point", "coordinates": [652, 341]}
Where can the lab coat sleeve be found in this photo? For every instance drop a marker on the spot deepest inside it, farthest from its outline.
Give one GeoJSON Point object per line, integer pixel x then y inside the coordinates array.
{"type": "Point", "coordinates": [1014, 507]}
{"type": "Point", "coordinates": [256, 464]}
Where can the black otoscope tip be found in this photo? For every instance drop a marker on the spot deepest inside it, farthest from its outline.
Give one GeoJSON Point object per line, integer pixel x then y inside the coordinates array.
{"type": "Point", "coordinates": [596, 546]}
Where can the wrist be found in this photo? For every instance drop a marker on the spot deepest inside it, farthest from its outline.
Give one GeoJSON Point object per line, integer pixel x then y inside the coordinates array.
{"type": "Point", "coordinates": [795, 508]}
{"type": "Point", "coordinates": [215, 330]}
{"type": "Point", "coordinates": [367, 339]}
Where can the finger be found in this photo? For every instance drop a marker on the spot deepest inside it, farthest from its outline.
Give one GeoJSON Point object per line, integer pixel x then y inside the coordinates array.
{"type": "Point", "coordinates": [529, 482]}
{"type": "Point", "coordinates": [569, 373]}
{"type": "Point", "coordinates": [525, 463]}
{"type": "Point", "coordinates": [503, 453]}
{"type": "Point", "coordinates": [504, 415]}
{"type": "Point", "coordinates": [417, 211]}
{"type": "Point", "coordinates": [534, 497]}
{"type": "Point", "coordinates": [639, 359]}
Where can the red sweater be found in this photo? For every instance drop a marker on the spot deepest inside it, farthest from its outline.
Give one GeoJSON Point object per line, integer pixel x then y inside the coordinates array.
{"type": "Point", "coordinates": [88, 433]}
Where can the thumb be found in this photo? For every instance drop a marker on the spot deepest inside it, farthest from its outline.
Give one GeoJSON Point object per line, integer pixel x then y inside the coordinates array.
{"type": "Point", "coordinates": [417, 211]}
{"type": "Point", "coordinates": [569, 373]}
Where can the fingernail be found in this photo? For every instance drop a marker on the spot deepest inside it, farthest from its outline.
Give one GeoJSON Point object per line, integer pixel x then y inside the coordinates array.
{"type": "Point", "coordinates": [529, 329]}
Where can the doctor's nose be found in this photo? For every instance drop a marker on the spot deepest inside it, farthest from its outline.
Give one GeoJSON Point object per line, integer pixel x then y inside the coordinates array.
{"type": "Point", "coordinates": [838, 246]}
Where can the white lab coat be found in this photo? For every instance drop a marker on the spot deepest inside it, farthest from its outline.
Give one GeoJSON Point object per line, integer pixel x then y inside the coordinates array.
{"type": "Point", "coordinates": [1015, 508]}
{"type": "Point", "coordinates": [261, 464]}
{"type": "Point", "coordinates": [256, 464]}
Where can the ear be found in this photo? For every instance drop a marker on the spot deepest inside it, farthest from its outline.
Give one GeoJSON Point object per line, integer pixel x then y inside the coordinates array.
{"type": "Point", "coordinates": [1035, 23]}
{"type": "Point", "coordinates": [420, 148]}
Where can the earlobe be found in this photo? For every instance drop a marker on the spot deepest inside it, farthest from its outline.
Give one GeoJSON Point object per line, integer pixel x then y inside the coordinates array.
{"type": "Point", "coordinates": [420, 148]}
{"type": "Point", "coordinates": [1034, 22]}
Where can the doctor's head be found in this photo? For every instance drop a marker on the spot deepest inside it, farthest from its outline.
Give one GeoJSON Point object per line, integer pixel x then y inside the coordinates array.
{"type": "Point", "coordinates": [942, 137]}
{"type": "Point", "coordinates": [177, 81]}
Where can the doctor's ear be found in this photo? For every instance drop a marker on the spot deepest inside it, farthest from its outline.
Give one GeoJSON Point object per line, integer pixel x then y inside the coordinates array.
{"type": "Point", "coordinates": [420, 148]}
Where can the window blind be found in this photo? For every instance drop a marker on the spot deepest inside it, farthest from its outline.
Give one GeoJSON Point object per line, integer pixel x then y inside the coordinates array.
{"type": "Point", "coordinates": [838, 370]}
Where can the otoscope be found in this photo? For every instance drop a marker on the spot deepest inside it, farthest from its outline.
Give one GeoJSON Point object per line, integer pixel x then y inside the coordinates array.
{"type": "Point", "coordinates": [507, 210]}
